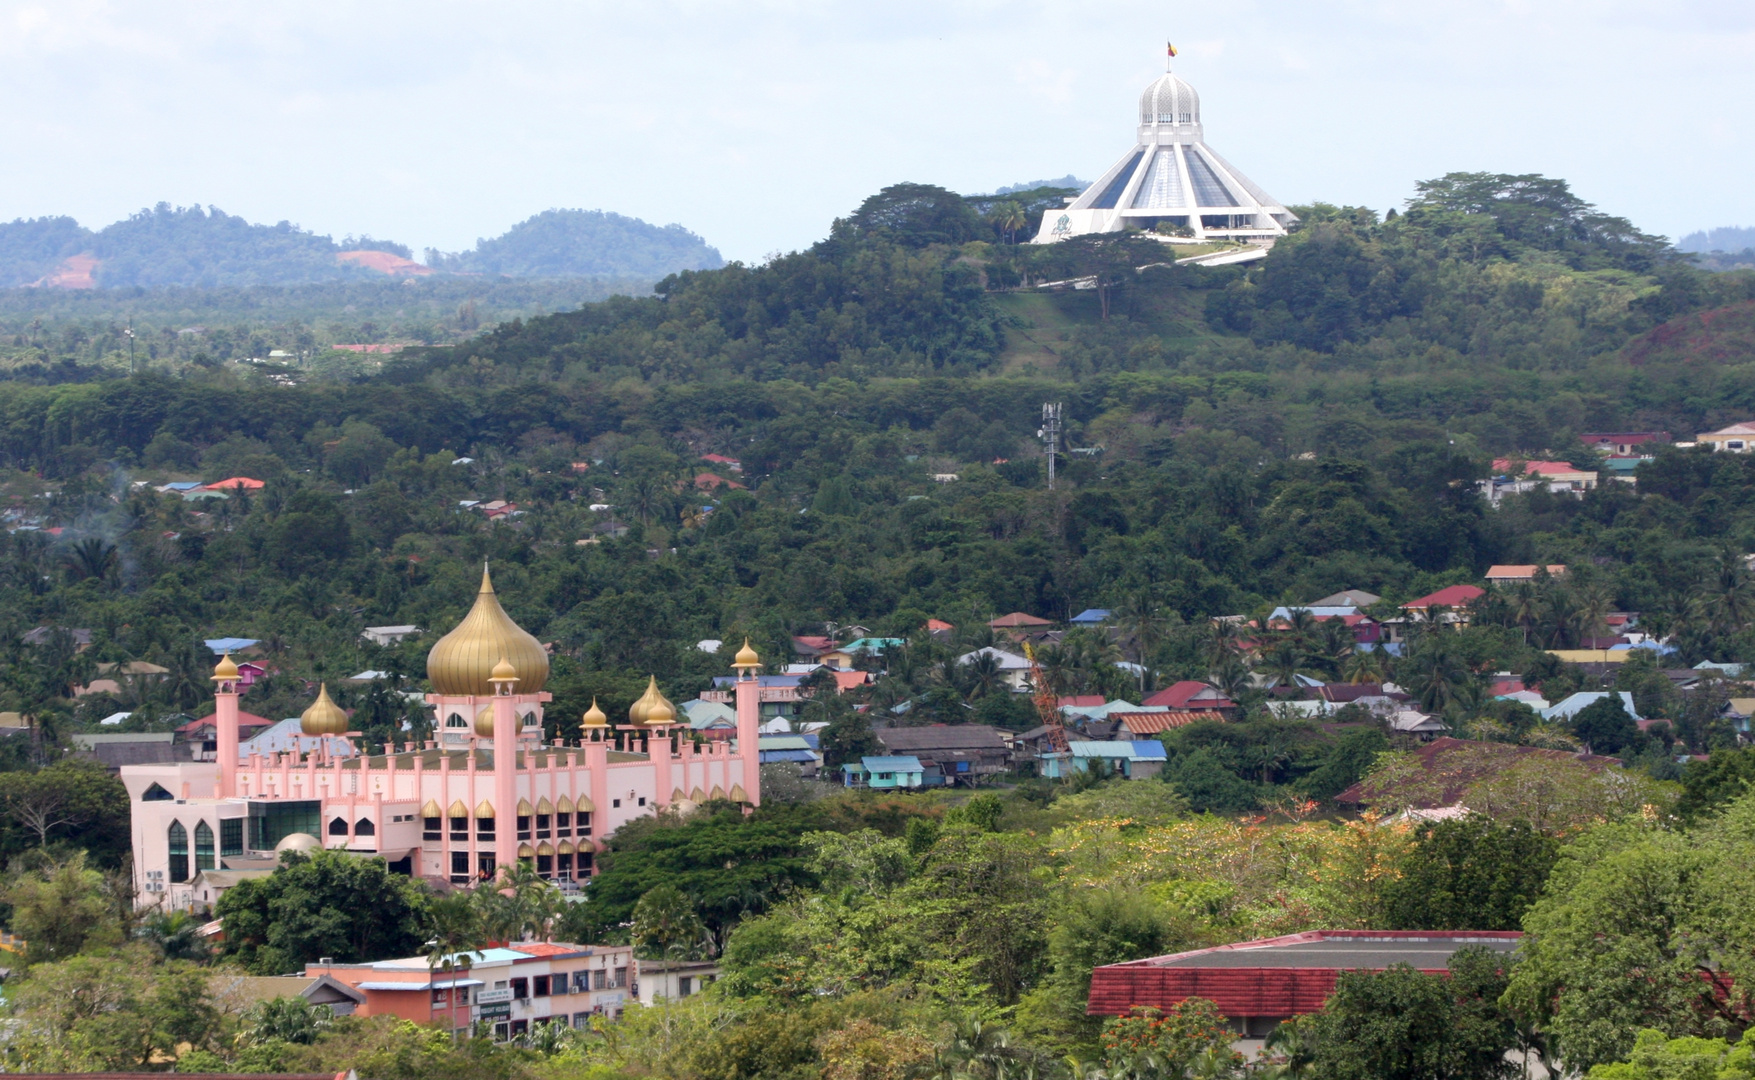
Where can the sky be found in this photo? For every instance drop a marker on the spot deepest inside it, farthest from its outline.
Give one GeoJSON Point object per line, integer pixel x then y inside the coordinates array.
{"type": "Point", "coordinates": [755, 124]}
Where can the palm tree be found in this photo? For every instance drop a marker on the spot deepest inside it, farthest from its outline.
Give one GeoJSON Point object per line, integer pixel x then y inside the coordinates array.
{"type": "Point", "coordinates": [1730, 593]}
{"type": "Point", "coordinates": [176, 935]}
{"type": "Point", "coordinates": [1334, 645]}
{"type": "Point", "coordinates": [1302, 627]}
{"type": "Point", "coordinates": [1366, 666]}
{"type": "Point", "coordinates": [93, 557]}
{"type": "Point", "coordinates": [1141, 623]}
{"type": "Point", "coordinates": [983, 675]}
{"type": "Point", "coordinates": [457, 928]}
{"type": "Point", "coordinates": [1436, 675]}
{"type": "Point", "coordinates": [1231, 677]}
{"type": "Point", "coordinates": [1282, 663]}
{"type": "Point", "coordinates": [1222, 641]}
{"type": "Point", "coordinates": [1524, 605]}
{"type": "Point", "coordinates": [1009, 217]}
{"type": "Point", "coordinates": [1590, 613]}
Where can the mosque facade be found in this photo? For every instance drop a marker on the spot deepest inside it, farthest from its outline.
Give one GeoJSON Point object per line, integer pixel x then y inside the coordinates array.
{"type": "Point", "coordinates": [1171, 179]}
{"type": "Point", "coordinates": [486, 792]}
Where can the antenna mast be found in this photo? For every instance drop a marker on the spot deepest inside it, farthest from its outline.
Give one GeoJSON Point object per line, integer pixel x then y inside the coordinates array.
{"type": "Point", "coordinates": [1050, 436]}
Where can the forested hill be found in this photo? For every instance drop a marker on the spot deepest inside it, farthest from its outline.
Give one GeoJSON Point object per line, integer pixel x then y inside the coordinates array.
{"type": "Point", "coordinates": [190, 247]}
{"type": "Point", "coordinates": [1245, 437]}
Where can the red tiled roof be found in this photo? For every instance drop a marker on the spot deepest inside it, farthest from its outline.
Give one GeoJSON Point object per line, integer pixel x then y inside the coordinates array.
{"type": "Point", "coordinates": [707, 482]}
{"type": "Point", "coordinates": [1018, 618]}
{"type": "Point", "coordinates": [1189, 694]}
{"type": "Point", "coordinates": [1150, 723]}
{"type": "Point", "coordinates": [1453, 596]}
{"type": "Point", "coordinates": [813, 642]}
{"type": "Point", "coordinates": [849, 680]}
{"type": "Point", "coordinates": [938, 624]}
{"type": "Point", "coordinates": [1536, 468]}
{"type": "Point", "coordinates": [245, 720]}
{"type": "Point", "coordinates": [243, 482]}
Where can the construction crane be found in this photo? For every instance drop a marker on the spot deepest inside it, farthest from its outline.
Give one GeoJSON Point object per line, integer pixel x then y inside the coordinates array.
{"type": "Point", "coordinates": [1047, 704]}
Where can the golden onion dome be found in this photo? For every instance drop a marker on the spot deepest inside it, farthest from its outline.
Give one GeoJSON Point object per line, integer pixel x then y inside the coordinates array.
{"type": "Point", "coordinates": [484, 721]}
{"type": "Point", "coordinates": [225, 670]}
{"type": "Point", "coordinates": [324, 717]}
{"type": "Point", "coordinates": [746, 657]}
{"type": "Point", "coordinates": [463, 663]}
{"type": "Point", "coordinates": [595, 716]}
{"type": "Point", "coordinates": [653, 709]}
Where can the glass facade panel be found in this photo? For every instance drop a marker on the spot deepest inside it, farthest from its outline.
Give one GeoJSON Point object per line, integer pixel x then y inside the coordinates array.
{"type": "Point", "coordinates": [272, 822]}
{"type": "Point", "coordinates": [1162, 187]}
{"type": "Point", "coordinates": [1208, 190]}
{"type": "Point", "coordinates": [231, 837]}
{"type": "Point", "coordinates": [1112, 194]}
{"type": "Point", "coordinates": [179, 841]}
{"type": "Point", "coordinates": [203, 846]}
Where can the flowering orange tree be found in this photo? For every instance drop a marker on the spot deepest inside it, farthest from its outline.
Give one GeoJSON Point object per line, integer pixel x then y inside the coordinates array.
{"type": "Point", "coordinates": [1173, 1039]}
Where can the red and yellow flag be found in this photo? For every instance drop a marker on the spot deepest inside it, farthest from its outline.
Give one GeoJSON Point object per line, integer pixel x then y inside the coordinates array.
{"type": "Point", "coordinates": [1171, 48]}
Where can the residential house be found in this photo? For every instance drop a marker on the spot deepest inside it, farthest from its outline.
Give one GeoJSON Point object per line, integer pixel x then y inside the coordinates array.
{"type": "Point", "coordinates": [1090, 617]}
{"type": "Point", "coordinates": [938, 629]}
{"type": "Point", "coordinates": [884, 773]}
{"type": "Point", "coordinates": [720, 459]}
{"type": "Point", "coordinates": [1189, 695]}
{"type": "Point", "coordinates": [234, 992]}
{"type": "Point", "coordinates": [1353, 598]}
{"type": "Point", "coordinates": [388, 635]}
{"type": "Point", "coordinates": [795, 749]}
{"type": "Point", "coordinates": [1416, 723]}
{"type": "Point", "coordinates": [113, 751]}
{"type": "Point", "coordinates": [1624, 443]}
{"type": "Point", "coordinates": [673, 980]}
{"type": "Point", "coordinates": [1570, 706]}
{"type": "Point", "coordinates": [510, 988]}
{"type": "Point", "coordinates": [1012, 667]}
{"type": "Point", "coordinates": [232, 646]}
{"type": "Point", "coordinates": [812, 646]}
{"type": "Point", "coordinates": [1513, 476]}
{"type": "Point", "coordinates": [778, 695]}
{"type": "Point", "coordinates": [135, 672]}
{"type": "Point", "coordinates": [42, 635]}
{"type": "Point", "coordinates": [233, 483]}
{"type": "Point", "coordinates": [950, 754]}
{"type": "Point", "coordinates": [1136, 759]}
{"type": "Point", "coordinates": [1143, 724]}
{"type": "Point", "coordinates": [843, 658]}
{"type": "Point", "coordinates": [1519, 574]}
{"type": "Point", "coordinates": [203, 734]}
{"type": "Point", "coordinates": [1455, 599]}
{"type": "Point", "coordinates": [1736, 439]}
{"type": "Point", "coordinates": [1020, 627]}
{"type": "Point", "coordinates": [707, 482]}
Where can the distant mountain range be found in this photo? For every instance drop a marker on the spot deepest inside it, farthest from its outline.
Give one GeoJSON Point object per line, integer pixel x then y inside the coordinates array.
{"type": "Point", "coordinates": [1725, 238]}
{"type": "Point", "coordinates": [192, 247]}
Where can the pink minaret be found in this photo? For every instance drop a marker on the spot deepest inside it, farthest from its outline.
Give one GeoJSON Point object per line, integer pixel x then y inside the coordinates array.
{"type": "Point", "coordinates": [504, 678]}
{"type": "Point", "coordinates": [749, 720]}
{"type": "Point", "coordinates": [225, 722]}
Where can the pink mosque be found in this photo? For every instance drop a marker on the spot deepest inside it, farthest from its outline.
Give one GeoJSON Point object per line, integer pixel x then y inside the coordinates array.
{"type": "Point", "coordinates": [484, 793]}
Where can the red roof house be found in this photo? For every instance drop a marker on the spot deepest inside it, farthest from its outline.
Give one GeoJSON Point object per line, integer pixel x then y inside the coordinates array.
{"type": "Point", "coordinates": [1258, 984]}
{"type": "Point", "coordinates": [234, 483]}
{"type": "Point", "coordinates": [1454, 596]}
{"type": "Point", "coordinates": [1190, 695]}
{"type": "Point", "coordinates": [812, 646]}
{"type": "Point", "coordinates": [707, 482]}
{"type": "Point", "coordinates": [1017, 620]}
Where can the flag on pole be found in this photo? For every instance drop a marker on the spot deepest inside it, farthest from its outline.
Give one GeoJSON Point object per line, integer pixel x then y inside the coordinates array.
{"type": "Point", "coordinates": [1171, 48]}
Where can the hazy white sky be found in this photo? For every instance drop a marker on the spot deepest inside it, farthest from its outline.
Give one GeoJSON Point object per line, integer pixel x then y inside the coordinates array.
{"type": "Point", "coordinates": [755, 124]}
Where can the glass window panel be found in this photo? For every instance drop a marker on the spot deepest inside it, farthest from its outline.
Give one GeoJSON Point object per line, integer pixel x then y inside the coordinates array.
{"type": "Point", "coordinates": [1208, 190]}
{"type": "Point", "coordinates": [1112, 194]}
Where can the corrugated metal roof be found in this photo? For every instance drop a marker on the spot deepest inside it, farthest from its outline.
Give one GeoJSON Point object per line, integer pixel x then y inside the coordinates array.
{"type": "Point", "coordinates": [892, 764]}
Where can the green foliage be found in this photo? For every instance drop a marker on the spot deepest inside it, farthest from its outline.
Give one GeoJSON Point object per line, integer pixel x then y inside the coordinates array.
{"type": "Point", "coordinates": [329, 903]}
{"type": "Point", "coordinates": [65, 909]}
{"type": "Point", "coordinates": [1656, 1056]}
{"type": "Point", "coordinates": [1173, 1040]}
{"type": "Point", "coordinates": [1471, 873]}
{"type": "Point", "coordinates": [584, 243]}
{"type": "Point", "coordinates": [107, 1013]}
{"type": "Point", "coordinates": [1403, 1024]}
{"type": "Point", "coordinates": [665, 926]}
{"type": "Point", "coordinates": [1710, 785]}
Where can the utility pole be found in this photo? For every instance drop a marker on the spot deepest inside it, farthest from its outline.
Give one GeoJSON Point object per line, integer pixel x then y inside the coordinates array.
{"type": "Point", "coordinates": [1049, 433]}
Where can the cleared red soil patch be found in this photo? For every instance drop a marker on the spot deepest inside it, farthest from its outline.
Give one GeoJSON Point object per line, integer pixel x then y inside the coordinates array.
{"type": "Point", "coordinates": [75, 272]}
{"type": "Point", "coordinates": [383, 262]}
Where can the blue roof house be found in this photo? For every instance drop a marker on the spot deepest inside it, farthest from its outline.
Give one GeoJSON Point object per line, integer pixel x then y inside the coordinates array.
{"type": "Point", "coordinates": [884, 772]}
{"type": "Point", "coordinates": [1136, 759]}
{"type": "Point", "coordinates": [1090, 617]}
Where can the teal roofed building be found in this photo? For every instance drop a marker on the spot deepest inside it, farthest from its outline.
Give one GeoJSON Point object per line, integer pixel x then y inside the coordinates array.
{"type": "Point", "coordinates": [884, 773]}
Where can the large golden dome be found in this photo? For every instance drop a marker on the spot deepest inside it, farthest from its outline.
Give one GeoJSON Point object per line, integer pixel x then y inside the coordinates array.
{"type": "Point", "coordinates": [324, 717]}
{"type": "Point", "coordinates": [463, 661]}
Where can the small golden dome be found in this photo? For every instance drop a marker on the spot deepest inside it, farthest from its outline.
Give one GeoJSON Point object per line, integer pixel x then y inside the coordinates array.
{"type": "Point", "coordinates": [430, 809]}
{"type": "Point", "coordinates": [565, 806]}
{"type": "Point", "coordinates": [746, 657]}
{"type": "Point", "coordinates": [465, 661]}
{"type": "Point", "coordinates": [484, 721]}
{"type": "Point", "coordinates": [504, 672]}
{"type": "Point", "coordinates": [653, 709]}
{"type": "Point", "coordinates": [595, 716]}
{"type": "Point", "coordinates": [324, 717]}
{"type": "Point", "coordinates": [225, 670]}
{"type": "Point", "coordinates": [484, 811]}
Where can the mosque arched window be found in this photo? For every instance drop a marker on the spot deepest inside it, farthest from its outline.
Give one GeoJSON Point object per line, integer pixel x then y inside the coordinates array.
{"type": "Point", "coordinates": [203, 846]}
{"type": "Point", "coordinates": [155, 793]}
{"type": "Point", "coordinates": [179, 846]}
{"type": "Point", "coordinates": [364, 827]}
{"type": "Point", "coordinates": [338, 827]}
{"type": "Point", "coordinates": [455, 720]}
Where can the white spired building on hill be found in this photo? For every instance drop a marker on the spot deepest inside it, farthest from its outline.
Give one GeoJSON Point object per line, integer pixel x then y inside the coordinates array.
{"type": "Point", "coordinates": [1171, 176]}
{"type": "Point", "coordinates": [487, 792]}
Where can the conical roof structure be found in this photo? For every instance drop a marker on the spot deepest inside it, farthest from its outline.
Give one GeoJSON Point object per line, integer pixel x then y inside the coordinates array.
{"type": "Point", "coordinates": [1171, 176]}
{"type": "Point", "coordinates": [463, 661]}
